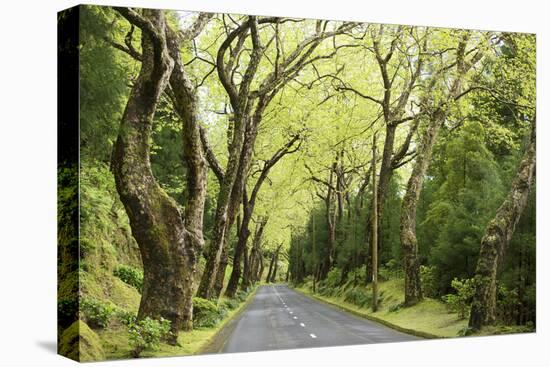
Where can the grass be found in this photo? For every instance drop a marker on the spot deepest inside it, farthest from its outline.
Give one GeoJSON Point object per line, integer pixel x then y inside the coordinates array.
{"type": "Point", "coordinates": [429, 318]}
{"type": "Point", "coordinates": [115, 339]}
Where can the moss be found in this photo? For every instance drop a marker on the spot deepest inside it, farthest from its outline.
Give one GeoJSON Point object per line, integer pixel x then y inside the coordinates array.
{"type": "Point", "coordinates": [108, 288]}
{"type": "Point", "coordinates": [80, 343]}
{"type": "Point", "coordinates": [504, 329]}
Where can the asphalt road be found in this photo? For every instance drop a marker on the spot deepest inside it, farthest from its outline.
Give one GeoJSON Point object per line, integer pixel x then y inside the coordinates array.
{"type": "Point", "coordinates": [281, 318]}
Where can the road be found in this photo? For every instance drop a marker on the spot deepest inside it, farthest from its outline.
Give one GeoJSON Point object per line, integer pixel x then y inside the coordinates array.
{"type": "Point", "coordinates": [281, 318]}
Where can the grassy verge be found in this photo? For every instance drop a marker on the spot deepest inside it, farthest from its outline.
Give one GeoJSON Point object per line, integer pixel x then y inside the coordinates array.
{"type": "Point", "coordinates": [115, 339]}
{"type": "Point", "coordinates": [428, 319]}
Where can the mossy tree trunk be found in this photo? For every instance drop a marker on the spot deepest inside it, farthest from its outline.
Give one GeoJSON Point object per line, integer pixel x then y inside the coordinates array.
{"type": "Point", "coordinates": [497, 236]}
{"type": "Point", "coordinates": [409, 244]}
{"type": "Point", "coordinates": [168, 240]}
{"type": "Point", "coordinates": [155, 219]}
{"type": "Point", "coordinates": [185, 100]}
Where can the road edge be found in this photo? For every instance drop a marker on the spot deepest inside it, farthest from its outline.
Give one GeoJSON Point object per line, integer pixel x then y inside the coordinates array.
{"type": "Point", "coordinates": [216, 342]}
{"type": "Point", "coordinates": [418, 333]}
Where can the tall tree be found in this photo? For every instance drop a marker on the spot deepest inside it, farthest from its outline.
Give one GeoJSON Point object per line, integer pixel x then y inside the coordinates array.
{"type": "Point", "coordinates": [496, 239]}
{"type": "Point", "coordinates": [155, 219]}
{"type": "Point", "coordinates": [436, 112]}
{"type": "Point", "coordinates": [166, 44]}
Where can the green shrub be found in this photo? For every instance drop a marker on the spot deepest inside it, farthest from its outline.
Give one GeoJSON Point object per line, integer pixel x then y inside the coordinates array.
{"type": "Point", "coordinates": [130, 276]}
{"type": "Point", "coordinates": [358, 296]}
{"type": "Point", "coordinates": [96, 313]}
{"type": "Point", "coordinates": [330, 285]}
{"type": "Point", "coordinates": [126, 317]}
{"type": "Point", "coordinates": [241, 295]}
{"type": "Point", "coordinates": [231, 303]}
{"type": "Point", "coordinates": [354, 277]}
{"type": "Point", "coordinates": [461, 301]}
{"type": "Point", "coordinates": [147, 334]}
{"type": "Point", "coordinates": [428, 281]}
{"type": "Point", "coordinates": [207, 313]}
{"type": "Point", "coordinates": [507, 304]}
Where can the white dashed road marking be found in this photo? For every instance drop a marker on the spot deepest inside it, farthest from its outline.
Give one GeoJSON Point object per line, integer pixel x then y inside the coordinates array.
{"type": "Point", "coordinates": [313, 336]}
{"type": "Point", "coordinates": [295, 318]}
{"type": "Point", "coordinates": [302, 324]}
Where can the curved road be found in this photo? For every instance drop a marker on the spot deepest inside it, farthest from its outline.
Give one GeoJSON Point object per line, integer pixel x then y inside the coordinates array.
{"type": "Point", "coordinates": [281, 318]}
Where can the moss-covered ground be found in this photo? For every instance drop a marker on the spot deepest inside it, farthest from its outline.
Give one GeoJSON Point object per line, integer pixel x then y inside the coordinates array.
{"type": "Point", "coordinates": [429, 318]}
{"type": "Point", "coordinates": [114, 340]}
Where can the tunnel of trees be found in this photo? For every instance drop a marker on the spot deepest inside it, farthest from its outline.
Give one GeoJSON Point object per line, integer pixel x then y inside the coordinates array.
{"type": "Point", "coordinates": [230, 150]}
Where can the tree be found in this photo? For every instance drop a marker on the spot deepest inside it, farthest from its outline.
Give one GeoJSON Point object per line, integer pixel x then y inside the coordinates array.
{"type": "Point", "coordinates": [497, 237]}
{"type": "Point", "coordinates": [436, 115]}
{"type": "Point", "coordinates": [167, 240]}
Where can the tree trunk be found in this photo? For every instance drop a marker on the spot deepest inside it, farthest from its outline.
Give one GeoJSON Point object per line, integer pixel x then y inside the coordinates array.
{"type": "Point", "coordinates": [331, 225]}
{"type": "Point", "coordinates": [413, 290]}
{"type": "Point", "coordinates": [244, 233]}
{"type": "Point", "coordinates": [186, 105]}
{"type": "Point", "coordinates": [214, 251]}
{"type": "Point", "coordinates": [240, 247]}
{"type": "Point", "coordinates": [261, 268]}
{"type": "Point", "coordinates": [275, 266]}
{"type": "Point", "coordinates": [497, 237]}
{"type": "Point", "coordinates": [268, 277]}
{"type": "Point", "coordinates": [245, 282]}
{"type": "Point", "coordinates": [155, 219]}
{"type": "Point", "coordinates": [374, 231]}
{"type": "Point", "coordinates": [409, 244]}
{"type": "Point", "coordinates": [384, 177]}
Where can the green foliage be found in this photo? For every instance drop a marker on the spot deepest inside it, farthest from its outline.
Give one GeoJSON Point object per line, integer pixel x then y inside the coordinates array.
{"type": "Point", "coordinates": [231, 303]}
{"type": "Point", "coordinates": [207, 313]}
{"type": "Point", "coordinates": [329, 286]}
{"type": "Point", "coordinates": [242, 295]}
{"type": "Point", "coordinates": [130, 275]}
{"type": "Point", "coordinates": [147, 334]}
{"type": "Point", "coordinates": [96, 313]}
{"type": "Point", "coordinates": [358, 296]}
{"type": "Point", "coordinates": [455, 220]}
{"type": "Point", "coordinates": [126, 318]}
{"type": "Point", "coordinates": [428, 280]}
{"type": "Point", "coordinates": [103, 79]}
{"type": "Point", "coordinates": [461, 300]}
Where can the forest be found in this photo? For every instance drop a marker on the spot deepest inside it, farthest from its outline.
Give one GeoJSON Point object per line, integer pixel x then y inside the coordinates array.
{"type": "Point", "coordinates": [389, 169]}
